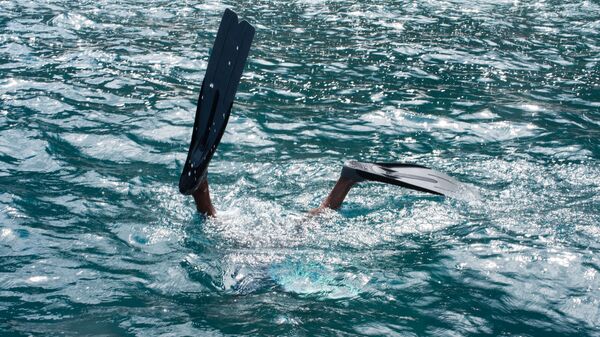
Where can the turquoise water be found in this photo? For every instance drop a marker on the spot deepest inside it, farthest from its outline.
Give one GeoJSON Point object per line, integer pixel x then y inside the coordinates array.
{"type": "Point", "coordinates": [96, 108]}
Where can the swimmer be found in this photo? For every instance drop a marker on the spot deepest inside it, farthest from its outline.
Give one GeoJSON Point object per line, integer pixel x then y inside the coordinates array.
{"type": "Point", "coordinates": [223, 74]}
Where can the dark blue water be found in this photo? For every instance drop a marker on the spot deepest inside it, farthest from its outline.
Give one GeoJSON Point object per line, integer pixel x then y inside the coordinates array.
{"type": "Point", "coordinates": [97, 100]}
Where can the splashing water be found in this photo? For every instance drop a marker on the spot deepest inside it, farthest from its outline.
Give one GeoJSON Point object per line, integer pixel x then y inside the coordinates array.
{"type": "Point", "coordinates": [96, 109]}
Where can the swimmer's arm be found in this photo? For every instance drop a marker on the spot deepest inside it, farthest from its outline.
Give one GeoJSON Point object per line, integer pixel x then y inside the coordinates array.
{"type": "Point", "coordinates": [202, 199]}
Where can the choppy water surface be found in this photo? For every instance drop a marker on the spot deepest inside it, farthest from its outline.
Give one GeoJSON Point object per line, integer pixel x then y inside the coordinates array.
{"type": "Point", "coordinates": [96, 108]}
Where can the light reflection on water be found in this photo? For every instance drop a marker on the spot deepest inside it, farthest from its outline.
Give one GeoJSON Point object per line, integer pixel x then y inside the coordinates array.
{"type": "Point", "coordinates": [96, 107]}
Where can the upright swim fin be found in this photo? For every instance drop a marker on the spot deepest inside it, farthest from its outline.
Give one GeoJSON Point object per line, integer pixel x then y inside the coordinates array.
{"type": "Point", "coordinates": [221, 80]}
{"type": "Point", "coordinates": [411, 176]}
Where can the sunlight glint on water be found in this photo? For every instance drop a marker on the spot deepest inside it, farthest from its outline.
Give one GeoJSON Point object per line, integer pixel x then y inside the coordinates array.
{"type": "Point", "coordinates": [96, 109]}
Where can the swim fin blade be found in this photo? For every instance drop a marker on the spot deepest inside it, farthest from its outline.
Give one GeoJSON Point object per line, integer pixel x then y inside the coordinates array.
{"type": "Point", "coordinates": [223, 74]}
{"type": "Point", "coordinates": [415, 177]}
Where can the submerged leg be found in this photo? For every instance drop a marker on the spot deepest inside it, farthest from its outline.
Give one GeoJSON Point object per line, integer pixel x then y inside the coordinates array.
{"type": "Point", "coordinates": [202, 198]}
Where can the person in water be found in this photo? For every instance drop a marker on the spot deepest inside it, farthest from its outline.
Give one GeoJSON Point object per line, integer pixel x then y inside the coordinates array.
{"type": "Point", "coordinates": [223, 74]}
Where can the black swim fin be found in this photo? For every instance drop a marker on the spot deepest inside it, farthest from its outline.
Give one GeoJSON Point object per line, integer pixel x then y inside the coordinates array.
{"type": "Point", "coordinates": [219, 86]}
{"type": "Point", "coordinates": [411, 176]}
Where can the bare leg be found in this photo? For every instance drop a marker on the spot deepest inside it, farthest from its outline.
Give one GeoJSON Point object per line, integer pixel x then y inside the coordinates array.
{"type": "Point", "coordinates": [337, 195]}
{"type": "Point", "coordinates": [202, 199]}
{"type": "Point", "coordinates": [333, 201]}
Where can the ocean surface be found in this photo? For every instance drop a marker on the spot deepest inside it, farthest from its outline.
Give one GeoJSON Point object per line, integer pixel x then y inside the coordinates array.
{"type": "Point", "coordinates": [97, 100]}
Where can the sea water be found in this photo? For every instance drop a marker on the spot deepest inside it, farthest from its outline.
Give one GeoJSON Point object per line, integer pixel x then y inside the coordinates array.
{"type": "Point", "coordinates": [97, 100]}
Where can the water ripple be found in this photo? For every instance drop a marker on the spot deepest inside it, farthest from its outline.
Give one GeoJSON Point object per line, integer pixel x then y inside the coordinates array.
{"type": "Point", "coordinates": [96, 108]}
